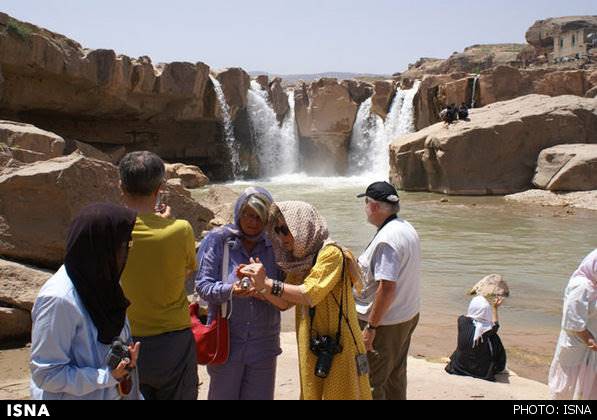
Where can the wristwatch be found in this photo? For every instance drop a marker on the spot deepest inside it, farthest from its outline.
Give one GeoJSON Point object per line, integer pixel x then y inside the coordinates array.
{"type": "Point", "coordinates": [370, 327]}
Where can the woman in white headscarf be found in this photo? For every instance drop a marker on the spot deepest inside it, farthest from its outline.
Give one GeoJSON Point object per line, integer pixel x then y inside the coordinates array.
{"type": "Point", "coordinates": [573, 373]}
{"type": "Point", "coordinates": [480, 352]}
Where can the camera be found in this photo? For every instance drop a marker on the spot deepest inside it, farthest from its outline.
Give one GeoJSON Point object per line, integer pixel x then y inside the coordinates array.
{"type": "Point", "coordinates": [118, 352]}
{"type": "Point", "coordinates": [245, 283]}
{"type": "Point", "coordinates": [325, 348]}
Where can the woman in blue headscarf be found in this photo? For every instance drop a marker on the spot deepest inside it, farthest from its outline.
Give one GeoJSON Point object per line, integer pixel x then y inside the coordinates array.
{"type": "Point", "coordinates": [250, 372]}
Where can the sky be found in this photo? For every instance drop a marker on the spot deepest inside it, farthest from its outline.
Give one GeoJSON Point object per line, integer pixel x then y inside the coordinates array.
{"type": "Point", "coordinates": [292, 37]}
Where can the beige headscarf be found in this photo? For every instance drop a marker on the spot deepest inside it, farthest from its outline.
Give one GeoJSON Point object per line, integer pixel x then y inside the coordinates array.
{"type": "Point", "coordinates": [309, 230]}
{"type": "Point", "coordinates": [310, 233]}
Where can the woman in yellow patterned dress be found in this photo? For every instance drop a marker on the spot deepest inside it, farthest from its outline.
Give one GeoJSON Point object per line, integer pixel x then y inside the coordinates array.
{"type": "Point", "coordinates": [320, 278]}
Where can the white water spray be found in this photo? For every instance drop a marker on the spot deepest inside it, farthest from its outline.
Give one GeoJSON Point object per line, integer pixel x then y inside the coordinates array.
{"type": "Point", "coordinates": [228, 128]}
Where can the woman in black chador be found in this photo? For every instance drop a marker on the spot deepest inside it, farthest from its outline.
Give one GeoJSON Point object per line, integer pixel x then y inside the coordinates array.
{"type": "Point", "coordinates": [480, 352]}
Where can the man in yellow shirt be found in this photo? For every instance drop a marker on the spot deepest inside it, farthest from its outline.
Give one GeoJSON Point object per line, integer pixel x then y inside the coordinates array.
{"type": "Point", "coordinates": [160, 260]}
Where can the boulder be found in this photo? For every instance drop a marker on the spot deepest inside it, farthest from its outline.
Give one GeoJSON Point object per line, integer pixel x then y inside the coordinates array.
{"type": "Point", "coordinates": [494, 153]}
{"type": "Point", "coordinates": [20, 284]}
{"type": "Point", "coordinates": [38, 202]}
{"type": "Point", "coordinates": [383, 94]}
{"type": "Point", "coordinates": [325, 115]}
{"type": "Point", "coordinates": [29, 143]}
{"type": "Point", "coordinates": [278, 99]}
{"type": "Point", "coordinates": [190, 176]}
{"type": "Point", "coordinates": [359, 91]}
{"type": "Point", "coordinates": [567, 167]}
{"type": "Point", "coordinates": [16, 324]}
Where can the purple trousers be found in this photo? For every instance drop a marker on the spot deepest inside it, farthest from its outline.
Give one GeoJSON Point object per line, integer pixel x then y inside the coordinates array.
{"type": "Point", "coordinates": [241, 381]}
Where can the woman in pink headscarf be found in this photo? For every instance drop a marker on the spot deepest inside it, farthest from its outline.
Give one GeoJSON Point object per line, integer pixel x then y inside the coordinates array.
{"type": "Point", "coordinates": [573, 373]}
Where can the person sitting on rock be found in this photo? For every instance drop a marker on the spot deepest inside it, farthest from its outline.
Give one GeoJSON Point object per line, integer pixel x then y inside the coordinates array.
{"type": "Point", "coordinates": [479, 352]}
{"type": "Point", "coordinates": [463, 112]}
{"type": "Point", "coordinates": [449, 114]}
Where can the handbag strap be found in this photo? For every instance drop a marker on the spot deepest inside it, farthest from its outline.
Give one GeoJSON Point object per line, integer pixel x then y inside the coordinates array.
{"type": "Point", "coordinates": [225, 266]}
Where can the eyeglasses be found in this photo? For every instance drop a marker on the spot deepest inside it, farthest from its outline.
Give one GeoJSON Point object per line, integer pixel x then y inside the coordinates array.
{"type": "Point", "coordinates": [282, 230]}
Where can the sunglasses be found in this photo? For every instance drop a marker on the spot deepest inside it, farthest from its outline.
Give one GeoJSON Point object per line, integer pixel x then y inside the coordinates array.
{"type": "Point", "coordinates": [282, 230]}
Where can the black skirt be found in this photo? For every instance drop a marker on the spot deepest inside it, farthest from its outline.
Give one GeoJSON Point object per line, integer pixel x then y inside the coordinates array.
{"type": "Point", "coordinates": [484, 360]}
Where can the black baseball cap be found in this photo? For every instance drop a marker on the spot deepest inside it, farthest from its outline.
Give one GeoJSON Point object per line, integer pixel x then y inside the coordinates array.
{"type": "Point", "coordinates": [382, 191]}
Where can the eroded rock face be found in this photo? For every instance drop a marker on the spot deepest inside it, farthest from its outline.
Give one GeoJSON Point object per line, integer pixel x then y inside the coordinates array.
{"type": "Point", "coordinates": [279, 99]}
{"type": "Point", "coordinates": [494, 153]}
{"type": "Point", "coordinates": [38, 202]}
{"type": "Point", "coordinates": [325, 114]}
{"type": "Point", "coordinates": [169, 109]}
{"type": "Point", "coordinates": [235, 84]}
{"type": "Point", "coordinates": [567, 167]}
{"type": "Point", "coordinates": [427, 103]}
{"type": "Point", "coordinates": [29, 143]}
{"type": "Point", "coordinates": [383, 94]}
{"type": "Point", "coordinates": [359, 91]}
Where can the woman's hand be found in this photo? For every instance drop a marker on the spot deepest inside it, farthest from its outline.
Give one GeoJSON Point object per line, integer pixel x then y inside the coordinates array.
{"type": "Point", "coordinates": [498, 301]}
{"type": "Point", "coordinates": [256, 271]}
{"type": "Point", "coordinates": [592, 344]}
{"type": "Point", "coordinates": [126, 364]}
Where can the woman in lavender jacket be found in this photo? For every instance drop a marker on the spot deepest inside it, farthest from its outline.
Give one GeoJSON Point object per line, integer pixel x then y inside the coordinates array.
{"type": "Point", "coordinates": [250, 372]}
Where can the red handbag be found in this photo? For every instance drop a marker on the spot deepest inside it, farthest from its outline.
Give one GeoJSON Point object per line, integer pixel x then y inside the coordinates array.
{"type": "Point", "coordinates": [212, 341]}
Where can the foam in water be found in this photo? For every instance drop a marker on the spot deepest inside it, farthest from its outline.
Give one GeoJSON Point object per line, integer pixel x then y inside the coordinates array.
{"type": "Point", "coordinates": [371, 136]}
{"type": "Point", "coordinates": [277, 147]}
{"type": "Point", "coordinates": [228, 128]}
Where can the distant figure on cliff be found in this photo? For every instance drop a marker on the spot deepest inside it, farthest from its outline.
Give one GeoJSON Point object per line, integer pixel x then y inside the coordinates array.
{"type": "Point", "coordinates": [574, 367]}
{"type": "Point", "coordinates": [449, 114]}
{"type": "Point", "coordinates": [162, 258]}
{"type": "Point", "coordinates": [479, 352]}
{"type": "Point", "coordinates": [463, 112]}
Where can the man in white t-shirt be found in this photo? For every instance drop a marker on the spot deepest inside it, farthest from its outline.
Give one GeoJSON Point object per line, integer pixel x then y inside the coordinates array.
{"type": "Point", "coordinates": [388, 306]}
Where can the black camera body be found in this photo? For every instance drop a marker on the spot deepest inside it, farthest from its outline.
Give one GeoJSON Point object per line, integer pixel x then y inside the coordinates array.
{"type": "Point", "coordinates": [118, 352]}
{"type": "Point", "coordinates": [325, 348]}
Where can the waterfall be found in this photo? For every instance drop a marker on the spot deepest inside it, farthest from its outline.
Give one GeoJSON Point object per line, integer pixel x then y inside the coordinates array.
{"type": "Point", "coordinates": [365, 135]}
{"type": "Point", "coordinates": [475, 81]}
{"type": "Point", "coordinates": [277, 147]}
{"type": "Point", "coordinates": [228, 128]}
{"type": "Point", "coordinates": [371, 136]}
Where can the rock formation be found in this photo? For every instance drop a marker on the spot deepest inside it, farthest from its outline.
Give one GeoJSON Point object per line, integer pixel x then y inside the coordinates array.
{"type": "Point", "coordinates": [325, 114]}
{"type": "Point", "coordinates": [567, 167]}
{"type": "Point", "coordinates": [36, 233]}
{"type": "Point", "coordinates": [494, 153]}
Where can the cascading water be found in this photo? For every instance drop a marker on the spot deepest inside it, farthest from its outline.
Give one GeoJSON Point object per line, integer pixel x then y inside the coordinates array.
{"type": "Point", "coordinates": [365, 136]}
{"type": "Point", "coordinates": [228, 128]}
{"type": "Point", "coordinates": [277, 146]}
{"type": "Point", "coordinates": [474, 91]}
{"type": "Point", "coordinates": [371, 136]}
